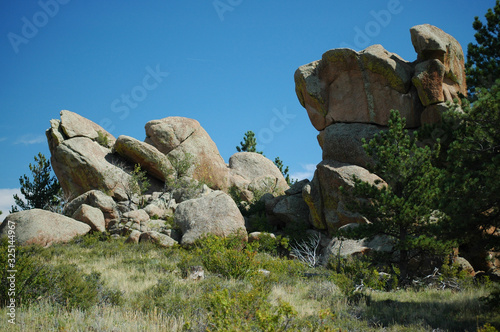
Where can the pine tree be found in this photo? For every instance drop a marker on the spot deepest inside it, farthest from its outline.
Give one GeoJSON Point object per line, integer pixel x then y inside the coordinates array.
{"type": "Point", "coordinates": [284, 170]}
{"type": "Point", "coordinates": [43, 192]}
{"type": "Point", "coordinates": [402, 210]}
{"type": "Point", "coordinates": [471, 186]}
{"type": "Point", "coordinates": [249, 143]}
{"type": "Point", "coordinates": [471, 181]}
{"type": "Point", "coordinates": [483, 58]}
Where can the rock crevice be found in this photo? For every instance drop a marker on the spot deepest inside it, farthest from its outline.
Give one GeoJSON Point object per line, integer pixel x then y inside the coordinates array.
{"type": "Point", "coordinates": [348, 96]}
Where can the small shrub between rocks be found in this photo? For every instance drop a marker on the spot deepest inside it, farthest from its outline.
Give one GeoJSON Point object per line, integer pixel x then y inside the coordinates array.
{"type": "Point", "coordinates": [102, 139]}
{"type": "Point", "coordinates": [257, 219]}
{"type": "Point", "coordinates": [276, 246]}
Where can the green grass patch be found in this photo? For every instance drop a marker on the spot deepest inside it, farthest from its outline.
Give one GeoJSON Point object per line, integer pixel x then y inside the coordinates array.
{"type": "Point", "coordinates": [99, 283]}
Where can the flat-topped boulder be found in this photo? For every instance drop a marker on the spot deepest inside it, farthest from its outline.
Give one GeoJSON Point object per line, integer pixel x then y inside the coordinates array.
{"type": "Point", "coordinates": [362, 87]}
{"type": "Point", "coordinates": [42, 227]}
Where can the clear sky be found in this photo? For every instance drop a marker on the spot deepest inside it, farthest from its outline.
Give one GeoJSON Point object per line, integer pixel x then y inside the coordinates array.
{"type": "Point", "coordinates": [227, 63]}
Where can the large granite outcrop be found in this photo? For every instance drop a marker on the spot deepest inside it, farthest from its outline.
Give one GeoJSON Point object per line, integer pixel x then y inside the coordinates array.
{"type": "Point", "coordinates": [85, 157]}
{"type": "Point", "coordinates": [349, 86]}
{"type": "Point", "coordinates": [348, 96]}
{"type": "Point", "coordinates": [94, 170]}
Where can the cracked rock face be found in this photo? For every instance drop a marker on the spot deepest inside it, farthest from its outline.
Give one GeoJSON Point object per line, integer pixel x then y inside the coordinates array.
{"type": "Point", "coordinates": [348, 96]}
{"type": "Point", "coordinates": [349, 86]}
{"type": "Point", "coordinates": [80, 163]}
{"type": "Point", "coordinates": [362, 87]}
{"type": "Point", "coordinates": [177, 136]}
{"type": "Point", "coordinates": [85, 157]}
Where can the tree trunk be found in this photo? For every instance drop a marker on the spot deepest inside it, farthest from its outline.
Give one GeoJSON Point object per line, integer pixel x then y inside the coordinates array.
{"type": "Point", "coordinates": [403, 255]}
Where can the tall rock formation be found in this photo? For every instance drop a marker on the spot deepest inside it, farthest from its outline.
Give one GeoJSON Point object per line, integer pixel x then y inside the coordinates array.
{"type": "Point", "coordinates": [348, 96]}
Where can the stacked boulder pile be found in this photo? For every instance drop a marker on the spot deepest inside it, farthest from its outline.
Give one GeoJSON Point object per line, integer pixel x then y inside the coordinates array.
{"type": "Point", "coordinates": [348, 96]}
{"type": "Point", "coordinates": [94, 170]}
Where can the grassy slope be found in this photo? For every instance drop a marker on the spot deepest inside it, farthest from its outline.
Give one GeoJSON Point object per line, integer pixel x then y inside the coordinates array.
{"type": "Point", "coordinates": [155, 297]}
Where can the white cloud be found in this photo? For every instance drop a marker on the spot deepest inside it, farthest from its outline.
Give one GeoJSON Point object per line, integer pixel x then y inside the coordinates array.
{"type": "Point", "coordinates": [30, 139]}
{"type": "Point", "coordinates": [307, 172]}
{"type": "Point", "coordinates": [3, 139]}
{"type": "Point", "coordinates": [6, 200]}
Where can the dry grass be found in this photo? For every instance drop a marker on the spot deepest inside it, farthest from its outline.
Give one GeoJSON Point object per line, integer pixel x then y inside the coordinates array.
{"type": "Point", "coordinates": [47, 317]}
{"type": "Point", "coordinates": [135, 270]}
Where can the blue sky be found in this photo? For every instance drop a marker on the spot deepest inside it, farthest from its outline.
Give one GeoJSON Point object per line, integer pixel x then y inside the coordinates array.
{"type": "Point", "coordinates": [227, 63]}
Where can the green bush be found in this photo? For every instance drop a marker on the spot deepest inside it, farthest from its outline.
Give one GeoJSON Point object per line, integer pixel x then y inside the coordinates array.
{"type": "Point", "coordinates": [487, 328]}
{"type": "Point", "coordinates": [230, 263]}
{"type": "Point", "coordinates": [32, 276]}
{"type": "Point", "coordinates": [169, 222]}
{"type": "Point", "coordinates": [248, 310]}
{"type": "Point", "coordinates": [90, 240]}
{"type": "Point", "coordinates": [353, 273]}
{"type": "Point", "coordinates": [74, 289]}
{"type": "Point", "coordinates": [276, 246]}
{"type": "Point", "coordinates": [171, 298]}
{"type": "Point", "coordinates": [296, 232]}
{"type": "Point", "coordinates": [159, 296]}
{"type": "Point", "coordinates": [186, 262]}
{"type": "Point", "coordinates": [65, 284]}
{"type": "Point", "coordinates": [181, 163]}
{"type": "Point", "coordinates": [283, 270]}
{"type": "Point", "coordinates": [257, 219]}
{"type": "Point", "coordinates": [226, 256]}
{"type": "Point", "coordinates": [492, 301]}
